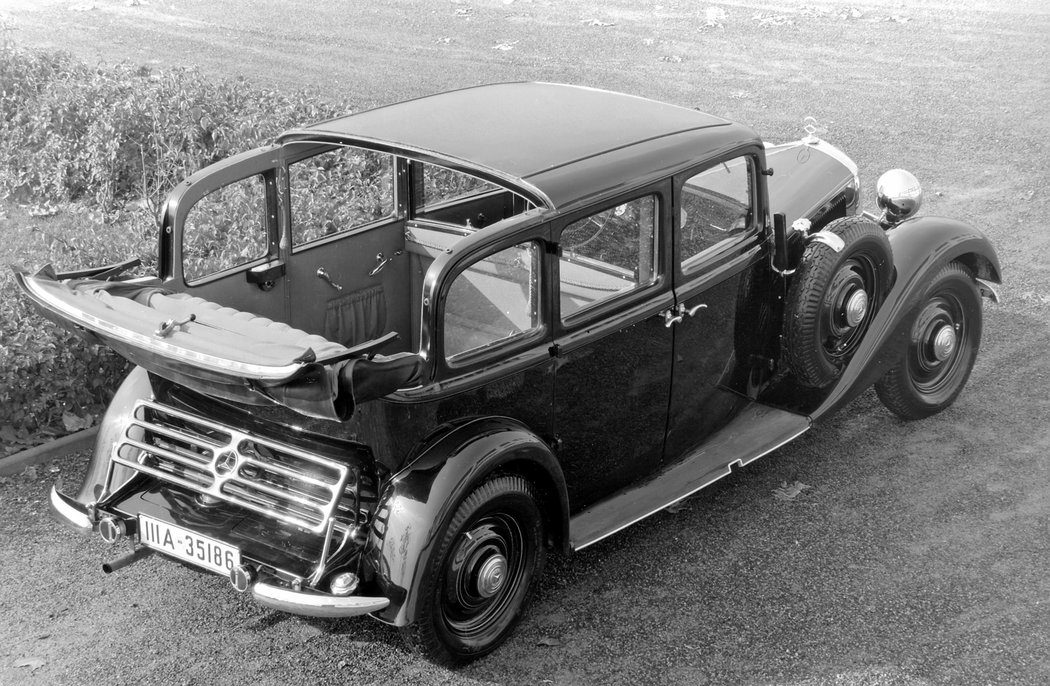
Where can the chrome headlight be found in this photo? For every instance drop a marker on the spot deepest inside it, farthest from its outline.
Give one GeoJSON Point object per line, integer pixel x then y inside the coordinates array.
{"type": "Point", "coordinates": [899, 195]}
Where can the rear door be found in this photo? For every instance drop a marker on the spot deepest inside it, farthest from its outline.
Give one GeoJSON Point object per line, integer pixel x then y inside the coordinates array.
{"type": "Point", "coordinates": [347, 267]}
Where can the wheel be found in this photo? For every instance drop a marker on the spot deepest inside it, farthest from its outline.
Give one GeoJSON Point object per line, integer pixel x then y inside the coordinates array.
{"type": "Point", "coordinates": [479, 577]}
{"type": "Point", "coordinates": [833, 298]}
{"type": "Point", "coordinates": [941, 350]}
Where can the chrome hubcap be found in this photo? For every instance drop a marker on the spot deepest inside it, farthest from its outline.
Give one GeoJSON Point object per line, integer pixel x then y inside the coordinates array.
{"type": "Point", "coordinates": [856, 307]}
{"type": "Point", "coordinates": [492, 575]}
{"type": "Point", "coordinates": [944, 342]}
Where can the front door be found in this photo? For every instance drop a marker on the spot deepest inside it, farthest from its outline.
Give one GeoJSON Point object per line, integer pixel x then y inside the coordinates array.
{"type": "Point", "coordinates": [718, 256]}
{"type": "Point", "coordinates": [613, 346]}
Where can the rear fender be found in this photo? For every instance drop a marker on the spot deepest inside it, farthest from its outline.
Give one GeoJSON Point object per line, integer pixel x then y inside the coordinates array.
{"type": "Point", "coordinates": [921, 246]}
{"type": "Point", "coordinates": [418, 503]}
{"type": "Point", "coordinates": [103, 477]}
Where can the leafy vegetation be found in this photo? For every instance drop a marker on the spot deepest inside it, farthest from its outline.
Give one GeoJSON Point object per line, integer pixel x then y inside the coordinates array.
{"type": "Point", "coordinates": [87, 155]}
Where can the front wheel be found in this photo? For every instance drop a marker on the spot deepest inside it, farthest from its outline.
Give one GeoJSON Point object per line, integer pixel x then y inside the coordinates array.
{"type": "Point", "coordinates": [479, 576]}
{"type": "Point", "coordinates": [941, 349]}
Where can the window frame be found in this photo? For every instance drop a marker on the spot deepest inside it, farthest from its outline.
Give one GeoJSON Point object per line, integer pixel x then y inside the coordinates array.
{"type": "Point", "coordinates": [695, 265]}
{"type": "Point", "coordinates": [582, 317]}
{"type": "Point", "coordinates": [299, 151]}
{"type": "Point", "coordinates": [269, 225]}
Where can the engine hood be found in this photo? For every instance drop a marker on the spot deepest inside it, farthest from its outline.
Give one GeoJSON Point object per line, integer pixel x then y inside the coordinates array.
{"type": "Point", "coordinates": [220, 351]}
{"type": "Point", "coordinates": [808, 176]}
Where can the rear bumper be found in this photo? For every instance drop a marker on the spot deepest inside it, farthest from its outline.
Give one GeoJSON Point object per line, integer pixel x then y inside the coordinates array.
{"type": "Point", "coordinates": [69, 511]}
{"type": "Point", "coordinates": [314, 604]}
{"type": "Point", "coordinates": [307, 603]}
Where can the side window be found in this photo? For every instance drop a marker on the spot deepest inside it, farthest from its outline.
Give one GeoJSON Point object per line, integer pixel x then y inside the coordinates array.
{"type": "Point", "coordinates": [608, 253]}
{"type": "Point", "coordinates": [493, 300]}
{"type": "Point", "coordinates": [339, 190]}
{"type": "Point", "coordinates": [442, 185]}
{"type": "Point", "coordinates": [452, 197]}
{"type": "Point", "coordinates": [225, 229]}
{"type": "Point", "coordinates": [716, 206]}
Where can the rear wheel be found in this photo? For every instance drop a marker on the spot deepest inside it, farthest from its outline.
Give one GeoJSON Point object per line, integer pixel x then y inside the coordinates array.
{"type": "Point", "coordinates": [942, 348]}
{"type": "Point", "coordinates": [480, 576]}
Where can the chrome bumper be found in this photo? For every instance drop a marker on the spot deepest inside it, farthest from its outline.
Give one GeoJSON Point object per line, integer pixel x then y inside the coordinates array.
{"type": "Point", "coordinates": [72, 513]}
{"type": "Point", "coordinates": [69, 511]}
{"type": "Point", "coordinates": [314, 604]}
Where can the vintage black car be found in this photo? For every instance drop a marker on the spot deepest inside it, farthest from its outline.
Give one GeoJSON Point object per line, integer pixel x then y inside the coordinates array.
{"type": "Point", "coordinates": [393, 358]}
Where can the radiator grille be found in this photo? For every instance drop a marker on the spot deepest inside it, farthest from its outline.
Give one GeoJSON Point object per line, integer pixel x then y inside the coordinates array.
{"type": "Point", "coordinates": [271, 478]}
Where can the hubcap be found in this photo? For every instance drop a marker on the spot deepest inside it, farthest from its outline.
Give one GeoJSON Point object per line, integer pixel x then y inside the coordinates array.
{"type": "Point", "coordinates": [492, 575]}
{"type": "Point", "coordinates": [847, 305]}
{"type": "Point", "coordinates": [944, 342]}
{"type": "Point", "coordinates": [856, 307]}
{"type": "Point", "coordinates": [940, 345]}
{"type": "Point", "coordinates": [485, 575]}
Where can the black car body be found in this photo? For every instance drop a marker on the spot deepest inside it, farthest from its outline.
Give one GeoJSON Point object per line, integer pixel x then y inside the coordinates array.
{"type": "Point", "coordinates": [392, 358]}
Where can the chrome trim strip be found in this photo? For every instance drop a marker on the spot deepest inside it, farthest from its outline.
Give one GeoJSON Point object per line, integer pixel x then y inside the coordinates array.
{"type": "Point", "coordinates": [69, 511]}
{"type": "Point", "coordinates": [314, 604]}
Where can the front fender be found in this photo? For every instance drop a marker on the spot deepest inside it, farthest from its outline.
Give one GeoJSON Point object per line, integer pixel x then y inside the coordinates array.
{"type": "Point", "coordinates": [921, 246]}
{"type": "Point", "coordinates": [419, 501]}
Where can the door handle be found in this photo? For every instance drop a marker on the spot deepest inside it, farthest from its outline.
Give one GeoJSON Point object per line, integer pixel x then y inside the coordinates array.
{"type": "Point", "coordinates": [381, 262]}
{"type": "Point", "coordinates": [675, 316]}
{"type": "Point", "coordinates": [322, 273]}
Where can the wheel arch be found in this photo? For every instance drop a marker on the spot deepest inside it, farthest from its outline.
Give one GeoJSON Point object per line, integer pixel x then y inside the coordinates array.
{"type": "Point", "coordinates": [921, 247]}
{"type": "Point", "coordinates": [419, 501]}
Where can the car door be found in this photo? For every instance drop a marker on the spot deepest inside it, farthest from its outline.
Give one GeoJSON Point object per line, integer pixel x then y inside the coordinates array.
{"type": "Point", "coordinates": [221, 238]}
{"type": "Point", "coordinates": [717, 261]}
{"type": "Point", "coordinates": [612, 344]}
{"type": "Point", "coordinates": [347, 271]}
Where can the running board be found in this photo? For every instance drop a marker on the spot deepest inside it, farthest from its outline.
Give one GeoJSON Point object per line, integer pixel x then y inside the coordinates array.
{"type": "Point", "coordinates": [756, 431]}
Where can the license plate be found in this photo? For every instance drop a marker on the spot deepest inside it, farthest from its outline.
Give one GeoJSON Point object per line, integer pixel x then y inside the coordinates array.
{"type": "Point", "coordinates": [188, 545]}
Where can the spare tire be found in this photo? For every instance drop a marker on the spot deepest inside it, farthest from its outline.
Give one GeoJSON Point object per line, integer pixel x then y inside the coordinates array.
{"type": "Point", "coordinates": [832, 299]}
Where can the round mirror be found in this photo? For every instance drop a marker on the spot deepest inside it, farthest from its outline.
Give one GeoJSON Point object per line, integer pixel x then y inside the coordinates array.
{"type": "Point", "coordinates": [898, 194]}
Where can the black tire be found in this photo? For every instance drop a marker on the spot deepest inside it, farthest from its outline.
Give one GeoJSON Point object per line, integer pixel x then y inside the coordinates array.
{"type": "Point", "coordinates": [821, 332]}
{"type": "Point", "coordinates": [929, 377]}
{"type": "Point", "coordinates": [467, 607]}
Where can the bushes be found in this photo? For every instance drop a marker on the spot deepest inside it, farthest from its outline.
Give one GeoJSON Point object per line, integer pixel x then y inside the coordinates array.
{"type": "Point", "coordinates": [100, 147]}
{"type": "Point", "coordinates": [113, 135]}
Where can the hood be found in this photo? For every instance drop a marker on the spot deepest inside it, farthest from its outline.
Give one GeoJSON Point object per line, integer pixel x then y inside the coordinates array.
{"type": "Point", "coordinates": [806, 176]}
{"type": "Point", "coordinates": [220, 351]}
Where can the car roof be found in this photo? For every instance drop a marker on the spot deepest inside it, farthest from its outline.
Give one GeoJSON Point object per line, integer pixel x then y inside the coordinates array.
{"type": "Point", "coordinates": [556, 144]}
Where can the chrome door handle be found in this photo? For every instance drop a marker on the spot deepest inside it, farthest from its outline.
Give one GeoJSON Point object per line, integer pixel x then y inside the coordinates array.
{"type": "Point", "coordinates": [692, 310]}
{"type": "Point", "coordinates": [322, 273]}
{"type": "Point", "coordinates": [381, 262]}
{"type": "Point", "coordinates": [670, 318]}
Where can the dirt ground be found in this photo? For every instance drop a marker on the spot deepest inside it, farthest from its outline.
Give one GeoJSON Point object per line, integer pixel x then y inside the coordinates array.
{"type": "Point", "coordinates": [919, 554]}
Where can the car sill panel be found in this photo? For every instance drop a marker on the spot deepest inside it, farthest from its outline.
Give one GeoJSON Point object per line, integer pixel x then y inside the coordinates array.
{"type": "Point", "coordinates": [756, 431]}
